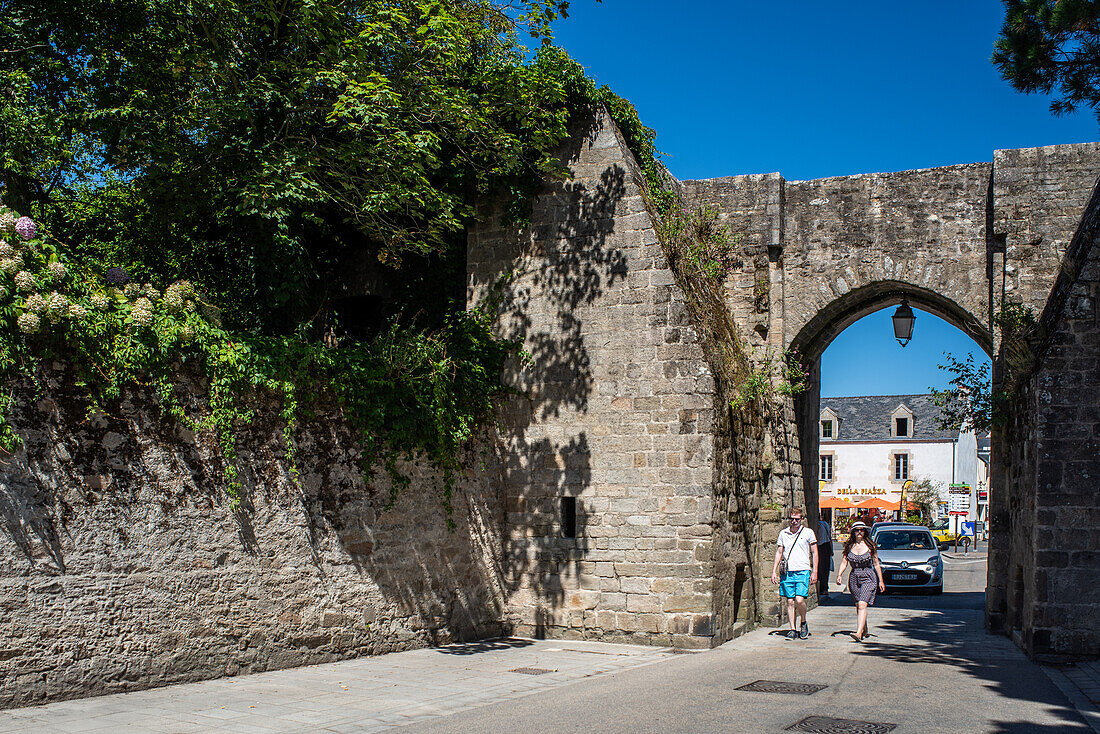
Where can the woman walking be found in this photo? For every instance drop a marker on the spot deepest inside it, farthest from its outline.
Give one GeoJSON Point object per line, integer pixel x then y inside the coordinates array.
{"type": "Point", "coordinates": [866, 575]}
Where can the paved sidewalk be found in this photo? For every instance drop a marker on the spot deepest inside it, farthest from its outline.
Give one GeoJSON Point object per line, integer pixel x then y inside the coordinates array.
{"type": "Point", "coordinates": [363, 695]}
{"type": "Point", "coordinates": [928, 666]}
{"type": "Point", "coordinates": [1081, 684]}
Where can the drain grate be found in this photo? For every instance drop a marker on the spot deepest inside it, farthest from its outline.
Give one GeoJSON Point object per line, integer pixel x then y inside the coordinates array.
{"type": "Point", "coordinates": [776, 686]}
{"type": "Point", "coordinates": [532, 671]}
{"type": "Point", "coordinates": [829, 725]}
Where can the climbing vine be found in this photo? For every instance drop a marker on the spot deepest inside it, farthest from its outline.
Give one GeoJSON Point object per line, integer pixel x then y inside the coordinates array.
{"type": "Point", "coordinates": [772, 375]}
{"type": "Point", "coordinates": [406, 392]}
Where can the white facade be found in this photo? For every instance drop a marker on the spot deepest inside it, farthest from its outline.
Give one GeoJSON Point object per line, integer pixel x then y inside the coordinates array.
{"type": "Point", "coordinates": [870, 447]}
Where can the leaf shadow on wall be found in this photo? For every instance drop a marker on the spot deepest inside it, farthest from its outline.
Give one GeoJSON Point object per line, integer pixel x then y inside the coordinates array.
{"type": "Point", "coordinates": [562, 266]}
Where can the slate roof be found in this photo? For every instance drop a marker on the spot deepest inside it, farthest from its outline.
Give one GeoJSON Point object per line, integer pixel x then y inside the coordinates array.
{"type": "Point", "coordinates": [868, 417]}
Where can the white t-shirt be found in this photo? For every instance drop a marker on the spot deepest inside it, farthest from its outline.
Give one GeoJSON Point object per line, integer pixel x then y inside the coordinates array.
{"type": "Point", "coordinates": [796, 548]}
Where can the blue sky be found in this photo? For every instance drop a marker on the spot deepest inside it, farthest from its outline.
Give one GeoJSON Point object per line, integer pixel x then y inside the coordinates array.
{"type": "Point", "coordinates": [813, 89]}
{"type": "Point", "coordinates": [865, 359]}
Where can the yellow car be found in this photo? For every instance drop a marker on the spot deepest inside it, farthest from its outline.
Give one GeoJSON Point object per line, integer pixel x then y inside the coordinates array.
{"type": "Point", "coordinates": [941, 531]}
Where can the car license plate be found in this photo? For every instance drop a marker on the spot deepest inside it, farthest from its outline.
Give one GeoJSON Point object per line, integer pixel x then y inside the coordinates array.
{"type": "Point", "coordinates": [905, 577]}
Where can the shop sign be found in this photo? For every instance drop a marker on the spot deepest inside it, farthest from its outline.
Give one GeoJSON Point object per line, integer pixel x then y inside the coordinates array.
{"type": "Point", "coordinates": [861, 490]}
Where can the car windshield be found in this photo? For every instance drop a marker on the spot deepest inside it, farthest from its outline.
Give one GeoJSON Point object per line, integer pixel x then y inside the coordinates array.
{"type": "Point", "coordinates": [904, 540]}
{"type": "Point", "coordinates": [939, 525]}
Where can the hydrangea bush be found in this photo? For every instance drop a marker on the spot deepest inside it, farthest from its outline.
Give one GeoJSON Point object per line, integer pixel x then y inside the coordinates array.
{"type": "Point", "coordinates": [408, 394]}
{"type": "Point", "coordinates": [49, 305]}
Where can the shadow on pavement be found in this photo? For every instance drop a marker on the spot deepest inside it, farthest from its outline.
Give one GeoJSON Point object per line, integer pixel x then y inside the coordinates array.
{"type": "Point", "coordinates": [475, 648]}
{"type": "Point", "coordinates": [951, 633]}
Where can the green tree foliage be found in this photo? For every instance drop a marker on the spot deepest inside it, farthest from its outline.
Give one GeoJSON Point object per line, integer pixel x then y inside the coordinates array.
{"type": "Point", "coordinates": [925, 494]}
{"type": "Point", "coordinates": [1052, 47]}
{"type": "Point", "coordinates": [254, 146]}
{"type": "Point", "coordinates": [971, 403]}
{"type": "Point", "coordinates": [262, 152]}
{"type": "Point", "coordinates": [967, 404]}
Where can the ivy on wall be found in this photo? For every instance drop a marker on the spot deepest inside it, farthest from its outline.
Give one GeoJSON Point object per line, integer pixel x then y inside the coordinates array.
{"type": "Point", "coordinates": [407, 394]}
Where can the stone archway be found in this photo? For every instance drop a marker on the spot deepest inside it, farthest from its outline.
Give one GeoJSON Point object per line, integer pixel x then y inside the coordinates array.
{"type": "Point", "coordinates": [816, 336]}
{"type": "Point", "coordinates": [625, 412]}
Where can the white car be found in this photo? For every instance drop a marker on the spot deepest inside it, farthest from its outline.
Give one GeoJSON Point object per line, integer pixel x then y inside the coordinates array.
{"type": "Point", "coordinates": [910, 558]}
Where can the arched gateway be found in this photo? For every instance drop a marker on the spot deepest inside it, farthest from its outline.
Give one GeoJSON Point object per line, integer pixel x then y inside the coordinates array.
{"type": "Point", "coordinates": [643, 496]}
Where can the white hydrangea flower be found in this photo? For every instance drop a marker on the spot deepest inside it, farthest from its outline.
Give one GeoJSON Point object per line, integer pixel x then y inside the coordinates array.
{"type": "Point", "coordinates": [58, 269]}
{"type": "Point", "coordinates": [150, 291]}
{"type": "Point", "coordinates": [190, 305]}
{"type": "Point", "coordinates": [35, 302]}
{"type": "Point", "coordinates": [100, 301]}
{"type": "Point", "coordinates": [7, 222]}
{"type": "Point", "coordinates": [28, 323]}
{"type": "Point", "coordinates": [176, 294]}
{"type": "Point", "coordinates": [131, 290]}
{"type": "Point", "coordinates": [6, 250]}
{"type": "Point", "coordinates": [57, 302]}
{"type": "Point", "coordinates": [142, 313]}
{"type": "Point", "coordinates": [76, 311]}
{"type": "Point", "coordinates": [25, 281]}
{"type": "Point", "coordinates": [12, 265]}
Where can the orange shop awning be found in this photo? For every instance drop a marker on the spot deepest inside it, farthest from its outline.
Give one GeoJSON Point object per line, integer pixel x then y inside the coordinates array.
{"type": "Point", "coordinates": [876, 503]}
{"type": "Point", "coordinates": [834, 503]}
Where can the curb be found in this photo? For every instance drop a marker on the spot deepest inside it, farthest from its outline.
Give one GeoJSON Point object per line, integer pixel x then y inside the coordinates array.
{"type": "Point", "coordinates": [1075, 695]}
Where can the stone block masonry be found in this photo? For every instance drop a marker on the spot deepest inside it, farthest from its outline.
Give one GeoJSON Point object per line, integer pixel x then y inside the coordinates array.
{"type": "Point", "coordinates": [617, 415]}
{"type": "Point", "coordinates": [1044, 570]}
{"type": "Point", "coordinates": [124, 566]}
{"type": "Point", "coordinates": [627, 496]}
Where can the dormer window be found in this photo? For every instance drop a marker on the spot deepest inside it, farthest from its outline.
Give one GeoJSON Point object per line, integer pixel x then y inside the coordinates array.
{"type": "Point", "coordinates": [901, 422]}
{"type": "Point", "coordinates": [828, 424]}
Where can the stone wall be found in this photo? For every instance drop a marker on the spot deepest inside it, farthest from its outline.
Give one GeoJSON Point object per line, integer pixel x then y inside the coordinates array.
{"type": "Point", "coordinates": [1038, 200]}
{"type": "Point", "coordinates": [1039, 195]}
{"type": "Point", "coordinates": [125, 567]}
{"type": "Point", "coordinates": [616, 413]}
{"type": "Point", "coordinates": [1052, 446]}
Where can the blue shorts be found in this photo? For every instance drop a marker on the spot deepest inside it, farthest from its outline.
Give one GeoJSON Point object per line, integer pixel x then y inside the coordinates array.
{"type": "Point", "coordinates": [795, 583]}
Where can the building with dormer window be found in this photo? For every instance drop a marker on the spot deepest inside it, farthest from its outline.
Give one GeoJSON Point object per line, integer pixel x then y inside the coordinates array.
{"type": "Point", "coordinates": [871, 445]}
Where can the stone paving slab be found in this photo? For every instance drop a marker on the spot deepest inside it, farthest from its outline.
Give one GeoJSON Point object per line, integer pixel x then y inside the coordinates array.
{"type": "Point", "coordinates": [928, 666]}
{"type": "Point", "coordinates": [1081, 684]}
{"type": "Point", "coordinates": [363, 695]}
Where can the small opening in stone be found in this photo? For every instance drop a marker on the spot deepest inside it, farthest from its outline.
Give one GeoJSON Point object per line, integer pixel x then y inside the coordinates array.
{"type": "Point", "coordinates": [568, 517]}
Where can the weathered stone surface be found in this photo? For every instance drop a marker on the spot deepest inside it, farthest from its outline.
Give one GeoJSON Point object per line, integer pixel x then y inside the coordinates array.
{"type": "Point", "coordinates": [1044, 565]}
{"type": "Point", "coordinates": [125, 567]}
{"type": "Point", "coordinates": [617, 406]}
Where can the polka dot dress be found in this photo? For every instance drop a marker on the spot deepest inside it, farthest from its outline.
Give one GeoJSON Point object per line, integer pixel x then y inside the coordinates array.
{"type": "Point", "coordinates": [863, 581]}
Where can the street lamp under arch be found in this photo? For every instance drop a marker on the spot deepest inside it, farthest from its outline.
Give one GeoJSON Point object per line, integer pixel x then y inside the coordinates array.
{"type": "Point", "coordinates": [903, 320]}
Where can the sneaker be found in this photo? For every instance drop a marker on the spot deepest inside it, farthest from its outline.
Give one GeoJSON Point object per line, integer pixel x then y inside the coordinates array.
{"type": "Point", "coordinates": [791, 635]}
{"type": "Point", "coordinates": [804, 632]}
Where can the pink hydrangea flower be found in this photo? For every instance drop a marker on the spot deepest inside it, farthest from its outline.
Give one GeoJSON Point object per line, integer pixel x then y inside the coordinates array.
{"type": "Point", "coordinates": [25, 227]}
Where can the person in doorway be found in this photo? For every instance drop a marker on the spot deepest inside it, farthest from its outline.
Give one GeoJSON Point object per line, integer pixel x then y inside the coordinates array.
{"type": "Point", "coordinates": [824, 556]}
{"type": "Point", "coordinates": [866, 576]}
{"type": "Point", "coordinates": [795, 568]}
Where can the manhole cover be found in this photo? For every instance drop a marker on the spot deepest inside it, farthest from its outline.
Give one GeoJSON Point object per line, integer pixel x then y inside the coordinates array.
{"type": "Point", "coordinates": [775, 686]}
{"type": "Point", "coordinates": [829, 725]}
{"type": "Point", "coordinates": [531, 671]}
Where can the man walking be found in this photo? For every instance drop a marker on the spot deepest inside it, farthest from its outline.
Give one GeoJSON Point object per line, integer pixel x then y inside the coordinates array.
{"type": "Point", "coordinates": [796, 553]}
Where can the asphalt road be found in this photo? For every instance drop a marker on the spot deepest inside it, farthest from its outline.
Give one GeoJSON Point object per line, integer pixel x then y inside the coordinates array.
{"type": "Point", "coordinates": [929, 666]}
